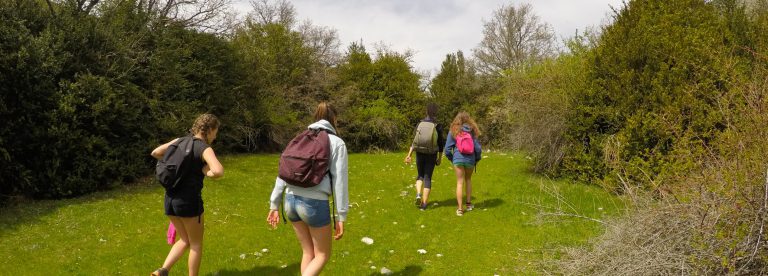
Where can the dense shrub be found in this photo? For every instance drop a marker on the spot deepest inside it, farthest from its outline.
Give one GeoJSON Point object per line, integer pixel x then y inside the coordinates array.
{"type": "Point", "coordinates": [653, 81]}
{"type": "Point", "coordinates": [712, 222]}
{"type": "Point", "coordinates": [694, 160]}
{"type": "Point", "coordinates": [86, 92]}
{"type": "Point", "coordinates": [85, 97]}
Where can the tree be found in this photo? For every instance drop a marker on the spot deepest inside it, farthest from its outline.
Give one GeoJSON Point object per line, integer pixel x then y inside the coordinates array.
{"type": "Point", "coordinates": [452, 86]}
{"type": "Point", "coordinates": [380, 99]}
{"type": "Point", "coordinates": [513, 39]}
{"type": "Point", "coordinates": [324, 41]}
{"type": "Point", "coordinates": [279, 12]}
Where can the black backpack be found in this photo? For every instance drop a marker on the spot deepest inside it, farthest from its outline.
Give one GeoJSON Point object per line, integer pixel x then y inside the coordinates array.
{"type": "Point", "coordinates": [175, 163]}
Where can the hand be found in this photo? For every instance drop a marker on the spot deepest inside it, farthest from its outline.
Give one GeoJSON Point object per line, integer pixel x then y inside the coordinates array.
{"type": "Point", "coordinates": [408, 160]}
{"type": "Point", "coordinates": [273, 218]}
{"type": "Point", "coordinates": [206, 169]}
{"type": "Point", "coordinates": [339, 230]}
{"type": "Point", "coordinates": [439, 157]}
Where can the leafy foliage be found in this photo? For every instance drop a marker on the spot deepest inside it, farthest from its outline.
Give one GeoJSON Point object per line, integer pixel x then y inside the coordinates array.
{"type": "Point", "coordinates": [652, 88]}
{"type": "Point", "coordinates": [380, 100]}
{"type": "Point", "coordinates": [90, 87]}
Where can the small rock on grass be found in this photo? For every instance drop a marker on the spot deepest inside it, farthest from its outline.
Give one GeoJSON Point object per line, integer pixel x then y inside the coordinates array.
{"type": "Point", "coordinates": [367, 240]}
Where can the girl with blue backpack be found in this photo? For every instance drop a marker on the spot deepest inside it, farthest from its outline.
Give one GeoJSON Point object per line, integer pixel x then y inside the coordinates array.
{"type": "Point", "coordinates": [463, 149]}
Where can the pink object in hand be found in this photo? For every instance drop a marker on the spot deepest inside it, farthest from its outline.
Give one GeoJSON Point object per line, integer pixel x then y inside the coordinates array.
{"type": "Point", "coordinates": [171, 233]}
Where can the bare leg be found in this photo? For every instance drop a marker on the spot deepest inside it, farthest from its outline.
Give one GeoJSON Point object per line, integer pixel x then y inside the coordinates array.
{"type": "Point", "coordinates": [194, 228]}
{"type": "Point", "coordinates": [459, 186]}
{"type": "Point", "coordinates": [468, 183]}
{"type": "Point", "coordinates": [307, 247]}
{"type": "Point", "coordinates": [419, 184]}
{"type": "Point", "coordinates": [180, 247]}
{"type": "Point", "coordinates": [321, 238]}
{"type": "Point", "coordinates": [425, 196]}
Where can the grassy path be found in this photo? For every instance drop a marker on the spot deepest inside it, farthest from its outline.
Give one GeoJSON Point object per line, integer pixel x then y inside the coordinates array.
{"type": "Point", "coordinates": [123, 231]}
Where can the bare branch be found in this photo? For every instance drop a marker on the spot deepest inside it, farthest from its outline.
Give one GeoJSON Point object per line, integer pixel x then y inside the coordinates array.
{"type": "Point", "coordinates": [273, 12]}
{"type": "Point", "coordinates": [514, 38]}
{"type": "Point", "coordinates": [50, 7]}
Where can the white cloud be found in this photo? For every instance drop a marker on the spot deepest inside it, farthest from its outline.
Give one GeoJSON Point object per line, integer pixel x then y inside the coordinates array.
{"type": "Point", "coordinates": [435, 28]}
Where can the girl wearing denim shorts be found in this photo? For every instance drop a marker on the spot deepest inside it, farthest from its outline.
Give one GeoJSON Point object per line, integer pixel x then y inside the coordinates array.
{"type": "Point", "coordinates": [308, 208]}
{"type": "Point", "coordinates": [464, 164]}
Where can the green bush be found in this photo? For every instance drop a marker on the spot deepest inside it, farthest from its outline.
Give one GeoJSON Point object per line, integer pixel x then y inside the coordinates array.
{"type": "Point", "coordinates": [653, 78]}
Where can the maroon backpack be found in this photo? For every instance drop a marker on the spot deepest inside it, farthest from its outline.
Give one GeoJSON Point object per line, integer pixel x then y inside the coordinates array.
{"type": "Point", "coordinates": [305, 160]}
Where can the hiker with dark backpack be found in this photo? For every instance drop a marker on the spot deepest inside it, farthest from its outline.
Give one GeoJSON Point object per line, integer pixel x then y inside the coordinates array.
{"type": "Point", "coordinates": [312, 168]}
{"type": "Point", "coordinates": [463, 149]}
{"type": "Point", "coordinates": [427, 143]}
{"type": "Point", "coordinates": [182, 165]}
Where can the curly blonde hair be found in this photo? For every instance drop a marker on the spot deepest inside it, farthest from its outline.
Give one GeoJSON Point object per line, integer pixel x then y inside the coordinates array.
{"type": "Point", "coordinates": [461, 119]}
{"type": "Point", "coordinates": [205, 124]}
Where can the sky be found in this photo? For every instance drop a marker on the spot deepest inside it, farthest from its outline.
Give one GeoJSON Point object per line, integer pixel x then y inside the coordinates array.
{"type": "Point", "coordinates": [431, 29]}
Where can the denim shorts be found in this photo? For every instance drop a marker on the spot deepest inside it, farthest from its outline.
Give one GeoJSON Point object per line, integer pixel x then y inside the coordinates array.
{"type": "Point", "coordinates": [314, 212]}
{"type": "Point", "coordinates": [463, 164]}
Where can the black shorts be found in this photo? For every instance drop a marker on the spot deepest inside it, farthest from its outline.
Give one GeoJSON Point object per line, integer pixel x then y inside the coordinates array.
{"type": "Point", "coordinates": [183, 206]}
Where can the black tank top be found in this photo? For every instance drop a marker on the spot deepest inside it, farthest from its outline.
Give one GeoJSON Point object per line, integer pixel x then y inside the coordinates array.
{"type": "Point", "coordinates": [191, 185]}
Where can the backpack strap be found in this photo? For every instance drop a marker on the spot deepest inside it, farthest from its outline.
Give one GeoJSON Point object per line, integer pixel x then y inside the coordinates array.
{"type": "Point", "coordinates": [188, 147]}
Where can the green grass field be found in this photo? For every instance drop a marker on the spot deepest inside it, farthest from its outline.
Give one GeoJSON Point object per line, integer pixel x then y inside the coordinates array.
{"type": "Point", "coordinates": [123, 231]}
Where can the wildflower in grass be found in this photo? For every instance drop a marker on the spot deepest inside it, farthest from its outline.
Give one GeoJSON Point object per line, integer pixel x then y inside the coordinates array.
{"type": "Point", "coordinates": [385, 271]}
{"type": "Point", "coordinates": [265, 250]}
{"type": "Point", "coordinates": [242, 256]}
{"type": "Point", "coordinates": [439, 255]}
{"type": "Point", "coordinates": [422, 251]}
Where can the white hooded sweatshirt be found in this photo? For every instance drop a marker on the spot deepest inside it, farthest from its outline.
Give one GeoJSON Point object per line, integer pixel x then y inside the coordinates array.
{"type": "Point", "coordinates": [338, 168]}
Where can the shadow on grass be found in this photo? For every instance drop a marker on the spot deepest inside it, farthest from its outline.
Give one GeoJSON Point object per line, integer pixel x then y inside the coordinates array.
{"type": "Point", "coordinates": [408, 270]}
{"type": "Point", "coordinates": [26, 211]}
{"type": "Point", "coordinates": [262, 270]}
{"type": "Point", "coordinates": [485, 204]}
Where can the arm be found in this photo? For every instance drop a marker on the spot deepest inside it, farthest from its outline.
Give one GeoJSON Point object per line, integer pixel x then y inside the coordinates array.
{"type": "Point", "coordinates": [158, 152]}
{"type": "Point", "coordinates": [440, 138]}
{"type": "Point", "coordinates": [478, 150]}
{"type": "Point", "coordinates": [450, 143]}
{"type": "Point", "coordinates": [275, 199]}
{"type": "Point", "coordinates": [340, 171]}
{"type": "Point", "coordinates": [410, 151]}
{"type": "Point", "coordinates": [213, 168]}
{"type": "Point", "coordinates": [440, 144]}
{"type": "Point", "coordinates": [408, 157]}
